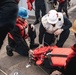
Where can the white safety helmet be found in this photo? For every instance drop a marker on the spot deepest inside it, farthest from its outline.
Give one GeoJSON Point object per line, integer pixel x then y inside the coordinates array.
{"type": "Point", "coordinates": [52, 17]}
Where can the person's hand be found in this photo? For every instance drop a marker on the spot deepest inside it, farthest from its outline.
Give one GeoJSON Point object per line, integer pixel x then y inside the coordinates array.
{"type": "Point", "coordinates": [58, 32]}
{"type": "Point", "coordinates": [41, 45]}
{"type": "Point", "coordinates": [33, 27]}
{"type": "Point", "coordinates": [31, 52]}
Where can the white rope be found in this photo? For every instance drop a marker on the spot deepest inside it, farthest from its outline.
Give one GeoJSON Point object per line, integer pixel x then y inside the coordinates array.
{"type": "Point", "coordinates": [3, 72]}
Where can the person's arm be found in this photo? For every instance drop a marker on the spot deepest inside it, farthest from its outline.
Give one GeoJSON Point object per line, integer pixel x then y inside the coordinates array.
{"type": "Point", "coordinates": [17, 36]}
{"type": "Point", "coordinates": [67, 24]}
{"type": "Point", "coordinates": [41, 33]}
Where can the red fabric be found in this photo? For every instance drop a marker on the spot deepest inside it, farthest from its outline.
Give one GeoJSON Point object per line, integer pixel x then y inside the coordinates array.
{"type": "Point", "coordinates": [43, 50]}
{"type": "Point", "coordinates": [70, 57]}
{"type": "Point", "coordinates": [61, 1]}
{"type": "Point", "coordinates": [32, 1]}
{"type": "Point", "coordinates": [10, 36]}
{"type": "Point", "coordinates": [73, 54]}
{"type": "Point", "coordinates": [74, 48]}
{"type": "Point", "coordinates": [39, 55]}
{"type": "Point", "coordinates": [29, 4]}
{"type": "Point", "coordinates": [21, 26]}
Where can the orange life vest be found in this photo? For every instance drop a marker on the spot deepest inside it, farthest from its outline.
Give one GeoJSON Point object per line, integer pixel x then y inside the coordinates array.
{"type": "Point", "coordinates": [22, 27]}
{"type": "Point", "coordinates": [58, 56]}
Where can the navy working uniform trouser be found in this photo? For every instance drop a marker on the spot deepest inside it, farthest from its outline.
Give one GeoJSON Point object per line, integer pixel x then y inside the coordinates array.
{"type": "Point", "coordinates": [63, 6]}
{"type": "Point", "coordinates": [49, 38]}
{"type": "Point", "coordinates": [40, 6]}
{"type": "Point", "coordinates": [63, 37]}
{"type": "Point", "coordinates": [21, 46]}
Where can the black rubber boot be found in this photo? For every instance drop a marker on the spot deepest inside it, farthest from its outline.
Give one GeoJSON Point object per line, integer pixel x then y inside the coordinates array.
{"type": "Point", "coordinates": [9, 50]}
{"type": "Point", "coordinates": [33, 46]}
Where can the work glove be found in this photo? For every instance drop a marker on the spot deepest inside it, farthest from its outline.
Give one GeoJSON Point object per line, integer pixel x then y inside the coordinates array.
{"type": "Point", "coordinates": [32, 27]}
